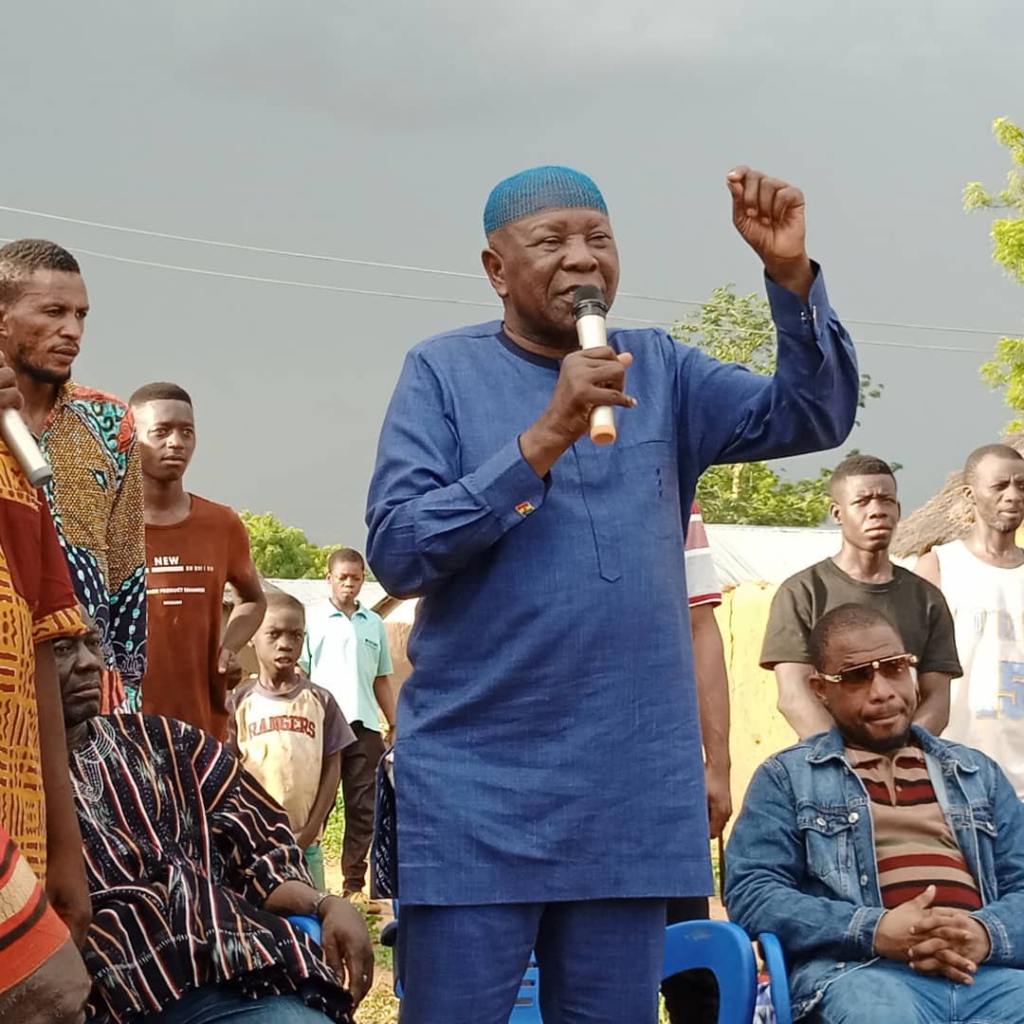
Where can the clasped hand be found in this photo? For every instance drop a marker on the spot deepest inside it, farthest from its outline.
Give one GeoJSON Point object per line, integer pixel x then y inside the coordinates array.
{"type": "Point", "coordinates": [933, 940]}
{"type": "Point", "coordinates": [588, 378]}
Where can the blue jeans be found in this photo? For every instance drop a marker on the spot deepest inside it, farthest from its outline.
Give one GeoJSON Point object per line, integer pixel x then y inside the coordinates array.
{"type": "Point", "coordinates": [212, 1004]}
{"type": "Point", "coordinates": [599, 960]}
{"type": "Point", "coordinates": [885, 992]}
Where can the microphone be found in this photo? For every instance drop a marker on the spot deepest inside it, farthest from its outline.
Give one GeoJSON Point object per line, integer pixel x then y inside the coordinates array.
{"type": "Point", "coordinates": [589, 311]}
{"type": "Point", "coordinates": [23, 447]}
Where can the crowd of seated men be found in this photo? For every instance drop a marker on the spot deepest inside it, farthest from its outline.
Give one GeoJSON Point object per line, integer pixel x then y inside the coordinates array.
{"type": "Point", "coordinates": [889, 862]}
{"type": "Point", "coordinates": [193, 869]}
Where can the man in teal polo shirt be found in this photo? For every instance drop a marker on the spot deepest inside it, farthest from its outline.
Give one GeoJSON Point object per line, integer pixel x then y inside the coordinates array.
{"type": "Point", "coordinates": [346, 652]}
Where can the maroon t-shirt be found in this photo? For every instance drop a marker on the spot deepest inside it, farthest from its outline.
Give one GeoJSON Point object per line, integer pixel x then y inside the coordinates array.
{"type": "Point", "coordinates": [187, 567]}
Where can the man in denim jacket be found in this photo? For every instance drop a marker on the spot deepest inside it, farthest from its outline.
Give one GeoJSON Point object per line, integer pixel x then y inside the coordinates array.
{"type": "Point", "coordinates": [889, 863]}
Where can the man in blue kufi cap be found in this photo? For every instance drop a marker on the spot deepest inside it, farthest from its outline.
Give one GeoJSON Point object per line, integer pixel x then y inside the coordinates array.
{"type": "Point", "coordinates": [548, 773]}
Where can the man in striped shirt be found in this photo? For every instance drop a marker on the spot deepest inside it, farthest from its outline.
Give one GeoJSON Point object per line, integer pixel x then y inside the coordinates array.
{"type": "Point", "coordinates": [192, 870]}
{"type": "Point", "coordinates": [890, 863]}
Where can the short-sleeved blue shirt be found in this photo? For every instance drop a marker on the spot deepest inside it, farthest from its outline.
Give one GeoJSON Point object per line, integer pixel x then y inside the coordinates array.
{"type": "Point", "coordinates": [549, 746]}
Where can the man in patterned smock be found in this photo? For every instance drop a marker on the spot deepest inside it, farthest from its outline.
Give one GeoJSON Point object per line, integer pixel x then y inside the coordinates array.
{"type": "Point", "coordinates": [89, 437]}
{"type": "Point", "coordinates": [42, 979]}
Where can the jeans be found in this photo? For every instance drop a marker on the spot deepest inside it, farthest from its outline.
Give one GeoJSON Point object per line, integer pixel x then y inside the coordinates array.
{"type": "Point", "coordinates": [212, 1004]}
{"type": "Point", "coordinates": [885, 992]}
{"type": "Point", "coordinates": [599, 961]}
{"type": "Point", "coordinates": [358, 788]}
{"type": "Point", "coordinates": [691, 997]}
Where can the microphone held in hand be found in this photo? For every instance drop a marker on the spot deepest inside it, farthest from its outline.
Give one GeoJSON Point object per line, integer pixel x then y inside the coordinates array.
{"type": "Point", "coordinates": [23, 447]}
{"type": "Point", "coordinates": [590, 310]}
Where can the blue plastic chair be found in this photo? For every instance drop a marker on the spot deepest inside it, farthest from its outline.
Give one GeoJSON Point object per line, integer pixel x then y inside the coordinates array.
{"type": "Point", "coordinates": [723, 948]}
{"type": "Point", "coordinates": [527, 1008]}
{"type": "Point", "coordinates": [775, 965]}
{"type": "Point", "coordinates": [309, 925]}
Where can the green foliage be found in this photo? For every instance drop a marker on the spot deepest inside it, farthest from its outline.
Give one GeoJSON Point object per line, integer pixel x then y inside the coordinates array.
{"type": "Point", "coordinates": [732, 328]}
{"type": "Point", "coordinates": [330, 843]}
{"type": "Point", "coordinates": [283, 552]}
{"type": "Point", "coordinates": [739, 329]}
{"type": "Point", "coordinates": [1005, 371]}
{"type": "Point", "coordinates": [753, 493]}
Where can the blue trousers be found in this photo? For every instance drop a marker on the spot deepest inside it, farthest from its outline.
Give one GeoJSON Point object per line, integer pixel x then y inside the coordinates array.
{"type": "Point", "coordinates": [885, 992]}
{"type": "Point", "coordinates": [213, 1004]}
{"type": "Point", "coordinates": [600, 961]}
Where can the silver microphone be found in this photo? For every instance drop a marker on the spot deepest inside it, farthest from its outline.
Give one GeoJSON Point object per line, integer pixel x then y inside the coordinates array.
{"type": "Point", "coordinates": [589, 310]}
{"type": "Point", "coordinates": [22, 444]}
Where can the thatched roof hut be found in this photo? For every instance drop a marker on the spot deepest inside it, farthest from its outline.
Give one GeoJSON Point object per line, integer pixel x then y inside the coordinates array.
{"type": "Point", "coordinates": [942, 518]}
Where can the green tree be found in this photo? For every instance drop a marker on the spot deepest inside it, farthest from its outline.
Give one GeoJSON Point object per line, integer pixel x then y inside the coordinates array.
{"type": "Point", "coordinates": [755, 494]}
{"type": "Point", "coordinates": [283, 552]}
{"type": "Point", "coordinates": [1006, 369]}
{"type": "Point", "coordinates": [739, 329]}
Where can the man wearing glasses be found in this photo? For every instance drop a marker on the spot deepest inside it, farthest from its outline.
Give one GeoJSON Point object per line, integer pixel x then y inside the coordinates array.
{"type": "Point", "coordinates": [889, 863]}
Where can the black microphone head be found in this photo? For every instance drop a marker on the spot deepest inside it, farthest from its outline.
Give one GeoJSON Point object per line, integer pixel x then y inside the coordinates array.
{"type": "Point", "coordinates": [588, 299]}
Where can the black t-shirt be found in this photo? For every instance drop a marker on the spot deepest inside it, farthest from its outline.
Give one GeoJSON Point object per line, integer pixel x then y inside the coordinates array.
{"type": "Point", "coordinates": [917, 608]}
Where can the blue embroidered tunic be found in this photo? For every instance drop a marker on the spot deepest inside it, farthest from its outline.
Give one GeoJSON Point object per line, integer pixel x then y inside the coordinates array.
{"type": "Point", "coordinates": [549, 746]}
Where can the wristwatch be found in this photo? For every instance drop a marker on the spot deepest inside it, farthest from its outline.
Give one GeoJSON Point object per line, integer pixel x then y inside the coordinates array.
{"type": "Point", "coordinates": [321, 897]}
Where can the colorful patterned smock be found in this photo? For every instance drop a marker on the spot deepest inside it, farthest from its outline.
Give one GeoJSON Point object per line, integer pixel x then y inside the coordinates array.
{"type": "Point", "coordinates": [36, 604]}
{"type": "Point", "coordinates": [96, 503]}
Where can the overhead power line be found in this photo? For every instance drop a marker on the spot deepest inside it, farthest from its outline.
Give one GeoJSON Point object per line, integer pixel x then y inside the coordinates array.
{"type": "Point", "coordinates": [437, 271]}
{"type": "Point", "coordinates": [441, 299]}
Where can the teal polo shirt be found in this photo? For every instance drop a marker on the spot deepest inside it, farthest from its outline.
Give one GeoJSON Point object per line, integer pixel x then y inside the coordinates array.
{"type": "Point", "coordinates": [345, 656]}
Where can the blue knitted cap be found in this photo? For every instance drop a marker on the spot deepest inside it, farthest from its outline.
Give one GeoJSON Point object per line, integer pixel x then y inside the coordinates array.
{"type": "Point", "coordinates": [540, 188]}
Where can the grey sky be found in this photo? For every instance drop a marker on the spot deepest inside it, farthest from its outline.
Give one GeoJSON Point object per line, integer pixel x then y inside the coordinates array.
{"type": "Point", "coordinates": [375, 131]}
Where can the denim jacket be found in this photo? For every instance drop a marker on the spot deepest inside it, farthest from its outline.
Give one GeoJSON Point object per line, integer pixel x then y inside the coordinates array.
{"type": "Point", "coordinates": [801, 859]}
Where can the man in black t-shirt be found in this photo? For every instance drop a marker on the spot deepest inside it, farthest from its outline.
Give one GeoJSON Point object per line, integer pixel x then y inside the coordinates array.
{"type": "Point", "coordinates": [865, 505]}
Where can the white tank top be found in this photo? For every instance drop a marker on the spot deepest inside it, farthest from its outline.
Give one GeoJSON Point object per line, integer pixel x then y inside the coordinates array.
{"type": "Point", "coordinates": [987, 703]}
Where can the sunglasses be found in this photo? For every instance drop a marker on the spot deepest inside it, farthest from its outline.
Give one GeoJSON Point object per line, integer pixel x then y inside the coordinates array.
{"type": "Point", "coordinates": [896, 667]}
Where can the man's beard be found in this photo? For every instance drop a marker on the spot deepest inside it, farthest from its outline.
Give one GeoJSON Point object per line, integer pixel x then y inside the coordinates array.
{"type": "Point", "coordinates": [1001, 525]}
{"type": "Point", "coordinates": [890, 743]}
{"type": "Point", "coordinates": [40, 374]}
{"type": "Point", "coordinates": [861, 736]}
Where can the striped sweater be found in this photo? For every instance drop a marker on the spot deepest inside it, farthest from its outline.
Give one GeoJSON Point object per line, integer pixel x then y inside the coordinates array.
{"type": "Point", "coordinates": [914, 847]}
{"type": "Point", "coordinates": [182, 847]}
